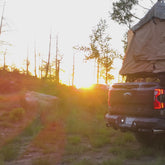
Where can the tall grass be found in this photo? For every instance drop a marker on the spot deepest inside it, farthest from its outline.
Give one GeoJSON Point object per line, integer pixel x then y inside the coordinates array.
{"type": "Point", "coordinates": [79, 122]}
{"type": "Point", "coordinates": [16, 114]}
{"type": "Point", "coordinates": [42, 161]}
{"type": "Point", "coordinates": [12, 149]}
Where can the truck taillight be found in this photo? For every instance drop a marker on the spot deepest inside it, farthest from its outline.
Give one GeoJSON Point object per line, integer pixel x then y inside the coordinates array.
{"type": "Point", "coordinates": [159, 102]}
{"type": "Point", "coordinates": [109, 95]}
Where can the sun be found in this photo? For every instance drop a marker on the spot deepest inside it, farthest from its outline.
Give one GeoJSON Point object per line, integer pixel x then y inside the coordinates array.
{"type": "Point", "coordinates": [84, 85]}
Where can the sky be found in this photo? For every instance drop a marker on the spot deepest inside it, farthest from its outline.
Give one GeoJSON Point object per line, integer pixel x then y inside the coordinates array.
{"type": "Point", "coordinates": [29, 23]}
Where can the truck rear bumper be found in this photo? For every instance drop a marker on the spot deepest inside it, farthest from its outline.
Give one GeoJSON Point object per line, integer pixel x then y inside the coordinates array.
{"type": "Point", "coordinates": [137, 124]}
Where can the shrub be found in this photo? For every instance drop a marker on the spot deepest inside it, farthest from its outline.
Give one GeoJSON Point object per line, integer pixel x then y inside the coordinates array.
{"type": "Point", "coordinates": [113, 161]}
{"type": "Point", "coordinates": [9, 152]}
{"type": "Point", "coordinates": [16, 114]}
{"type": "Point", "coordinates": [84, 162]}
{"type": "Point", "coordinates": [98, 141]}
{"type": "Point", "coordinates": [74, 140]}
{"type": "Point", "coordinates": [41, 162]}
{"type": "Point", "coordinates": [124, 138]}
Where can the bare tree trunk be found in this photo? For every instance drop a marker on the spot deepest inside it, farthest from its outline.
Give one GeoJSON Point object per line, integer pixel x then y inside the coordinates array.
{"type": "Point", "coordinates": [56, 71]}
{"type": "Point", "coordinates": [106, 76]}
{"type": "Point", "coordinates": [4, 65]}
{"type": "Point", "coordinates": [73, 69]}
{"type": "Point", "coordinates": [47, 67]}
{"type": "Point", "coordinates": [98, 70]}
{"type": "Point", "coordinates": [41, 67]}
{"type": "Point", "coordinates": [35, 56]}
{"type": "Point", "coordinates": [27, 62]}
{"type": "Point", "coordinates": [2, 17]}
{"type": "Point", "coordinates": [106, 71]}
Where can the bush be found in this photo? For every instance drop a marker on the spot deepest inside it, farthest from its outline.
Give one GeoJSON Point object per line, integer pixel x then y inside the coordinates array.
{"type": "Point", "coordinates": [41, 162]}
{"type": "Point", "coordinates": [9, 152]}
{"type": "Point", "coordinates": [16, 114]}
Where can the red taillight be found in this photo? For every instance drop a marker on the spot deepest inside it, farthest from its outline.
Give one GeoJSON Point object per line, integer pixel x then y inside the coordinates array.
{"type": "Point", "coordinates": [157, 103]}
{"type": "Point", "coordinates": [109, 93]}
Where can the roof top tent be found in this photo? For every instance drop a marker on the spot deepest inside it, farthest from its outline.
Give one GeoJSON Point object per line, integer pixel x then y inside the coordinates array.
{"type": "Point", "coordinates": [145, 52]}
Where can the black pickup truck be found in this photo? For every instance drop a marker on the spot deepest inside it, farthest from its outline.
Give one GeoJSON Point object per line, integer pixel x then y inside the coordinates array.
{"type": "Point", "coordinates": [137, 107]}
{"type": "Point", "coordinates": [139, 104]}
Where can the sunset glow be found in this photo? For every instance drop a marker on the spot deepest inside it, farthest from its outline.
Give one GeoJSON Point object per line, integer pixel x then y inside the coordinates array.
{"type": "Point", "coordinates": [30, 24]}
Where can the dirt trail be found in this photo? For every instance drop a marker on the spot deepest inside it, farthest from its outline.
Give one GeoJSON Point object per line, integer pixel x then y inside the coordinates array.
{"type": "Point", "coordinates": [48, 145]}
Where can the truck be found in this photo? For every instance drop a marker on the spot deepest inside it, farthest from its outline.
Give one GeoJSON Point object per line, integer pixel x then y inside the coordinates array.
{"type": "Point", "coordinates": [138, 104]}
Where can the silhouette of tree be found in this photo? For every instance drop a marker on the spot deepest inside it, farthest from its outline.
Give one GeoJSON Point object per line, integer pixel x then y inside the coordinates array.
{"type": "Point", "coordinates": [99, 49]}
{"type": "Point", "coordinates": [124, 11]}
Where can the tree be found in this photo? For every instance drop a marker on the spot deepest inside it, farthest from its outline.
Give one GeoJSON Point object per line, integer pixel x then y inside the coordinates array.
{"type": "Point", "coordinates": [48, 63]}
{"type": "Point", "coordinates": [58, 59]}
{"type": "Point", "coordinates": [93, 50]}
{"type": "Point", "coordinates": [97, 38]}
{"type": "Point", "coordinates": [96, 45]}
{"type": "Point", "coordinates": [124, 11]}
{"type": "Point", "coordinates": [100, 44]}
{"type": "Point", "coordinates": [125, 42]}
{"type": "Point", "coordinates": [107, 63]}
{"type": "Point", "coordinates": [99, 49]}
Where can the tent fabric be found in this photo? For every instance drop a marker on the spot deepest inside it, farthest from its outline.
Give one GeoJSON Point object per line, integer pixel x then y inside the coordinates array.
{"type": "Point", "coordinates": [160, 66]}
{"type": "Point", "coordinates": [157, 11]}
{"type": "Point", "coordinates": [146, 45]}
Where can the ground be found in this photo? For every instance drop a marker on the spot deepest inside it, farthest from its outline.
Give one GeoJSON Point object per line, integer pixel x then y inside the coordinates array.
{"type": "Point", "coordinates": [72, 133]}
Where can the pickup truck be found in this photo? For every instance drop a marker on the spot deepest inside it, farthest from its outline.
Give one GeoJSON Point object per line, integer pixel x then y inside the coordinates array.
{"type": "Point", "coordinates": [138, 107]}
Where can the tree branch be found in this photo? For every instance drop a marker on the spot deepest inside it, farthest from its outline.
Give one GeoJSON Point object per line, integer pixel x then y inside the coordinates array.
{"type": "Point", "coordinates": [152, 1]}
{"type": "Point", "coordinates": [135, 16]}
{"type": "Point", "coordinates": [143, 7]}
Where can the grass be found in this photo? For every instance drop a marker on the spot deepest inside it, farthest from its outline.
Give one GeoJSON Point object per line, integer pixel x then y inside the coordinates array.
{"type": "Point", "coordinates": [159, 161]}
{"type": "Point", "coordinates": [76, 150]}
{"type": "Point", "coordinates": [6, 124]}
{"type": "Point", "coordinates": [83, 162]}
{"type": "Point", "coordinates": [11, 150]}
{"type": "Point", "coordinates": [16, 114]}
{"type": "Point", "coordinates": [114, 161]}
{"type": "Point", "coordinates": [33, 128]}
{"type": "Point", "coordinates": [42, 162]}
{"type": "Point", "coordinates": [76, 130]}
{"type": "Point", "coordinates": [75, 140]}
{"type": "Point", "coordinates": [98, 141]}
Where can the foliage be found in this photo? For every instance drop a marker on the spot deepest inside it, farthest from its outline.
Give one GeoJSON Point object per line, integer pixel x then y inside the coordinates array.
{"type": "Point", "coordinates": [125, 11]}
{"type": "Point", "coordinates": [113, 161]}
{"type": "Point", "coordinates": [42, 161]}
{"type": "Point", "coordinates": [77, 128]}
{"type": "Point", "coordinates": [12, 149]}
{"type": "Point", "coordinates": [84, 162]}
{"type": "Point", "coordinates": [74, 140]}
{"type": "Point", "coordinates": [125, 42]}
{"type": "Point", "coordinates": [16, 114]}
{"type": "Point", "coordinates": [122, 11]}
{"type": "Point", "coordinates": [32, 129]}
{"type": "Point", "coordinates": [9, 152]}
{"type": "Point", "coordinates": [99, 49]}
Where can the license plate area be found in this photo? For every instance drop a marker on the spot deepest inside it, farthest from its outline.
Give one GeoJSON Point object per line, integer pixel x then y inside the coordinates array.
{"type": "Point", "coordinates": [129, 120]}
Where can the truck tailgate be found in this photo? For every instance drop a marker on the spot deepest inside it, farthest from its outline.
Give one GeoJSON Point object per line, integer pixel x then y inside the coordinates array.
{"type": "Point", "coordinates": [134, 99]}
